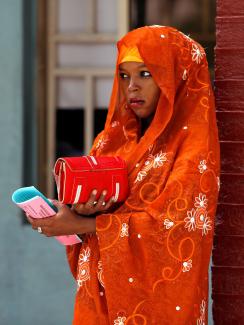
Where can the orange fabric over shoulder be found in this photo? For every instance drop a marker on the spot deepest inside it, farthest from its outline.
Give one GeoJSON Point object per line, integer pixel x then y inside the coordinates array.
{"type": "Point", "coordinates": [148, 263]}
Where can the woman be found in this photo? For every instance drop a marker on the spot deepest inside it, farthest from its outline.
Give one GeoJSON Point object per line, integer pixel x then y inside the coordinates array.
{"type": "Point", "coordinates": [146, 261]}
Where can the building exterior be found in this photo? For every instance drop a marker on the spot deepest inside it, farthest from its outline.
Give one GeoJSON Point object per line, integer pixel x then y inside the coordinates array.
{"type": "Point", "coordinates": [228, 253]}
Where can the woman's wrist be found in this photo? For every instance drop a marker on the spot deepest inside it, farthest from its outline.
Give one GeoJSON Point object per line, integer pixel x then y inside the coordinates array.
{"type": "Point", "coordinates": [86, 225]}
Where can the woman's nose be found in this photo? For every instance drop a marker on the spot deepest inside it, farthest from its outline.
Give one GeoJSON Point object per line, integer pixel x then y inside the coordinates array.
{"type": "Point", "coordinates": [133, 85]}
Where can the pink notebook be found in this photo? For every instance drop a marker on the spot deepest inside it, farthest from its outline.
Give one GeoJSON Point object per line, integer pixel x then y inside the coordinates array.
{"type": "Point", "coordinates": [37, 205]}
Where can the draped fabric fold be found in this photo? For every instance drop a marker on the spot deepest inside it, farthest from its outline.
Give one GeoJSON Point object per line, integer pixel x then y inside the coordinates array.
{"type": "Point", "coordinates": [148, 262]}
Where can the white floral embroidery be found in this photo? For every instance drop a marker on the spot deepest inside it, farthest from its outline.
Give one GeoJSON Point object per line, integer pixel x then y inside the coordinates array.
{"type": "Point", "coordinates": [152, 162]}
{"type": "Point", "coordinates": [140, 176]}
{"type": "Point", "coordinates": [198, 218]}
{"type": "Point", "coordinates": [147, 166]}
{"type": "Point", "coordinates": [186, 266]}
{"type": "Point", "coordinates": [201, 319]}
{"type": "Point", "coordinates": [218, 182]}
{"type": "Point", "coordinates": [184, 76]}
{"type": "Point", "coordinates": [114, 124]}
{"type": "Point", "coordinates": [202, 166]}
{"type": "Point", "coordinates": [197, 53]}
{"type": "Point", "coordinates": [120, 321]}
{"type": "Point", "coordinates": [147, 163]}
{"type": "Point", "coordinates": [159, 159]}
{"type": "Point", "coordinates": [168, 223]}
{"type": "Point", "coordinates": [84, 256]}
{"type": "Point", "coordinates": [124, 230]}
{"type": "Point", "coordinates": [201, 201]}
{"type": "Point", "coordinates": [190, 220]}
{"type": "Point", "coordinates": [101, 143]}
{"type": "Point", "coordinates": [207, 225]}
{"type": "Point", "coordinates": [100, 273]}
{"type": "Point", "coordinates": [83, 273]}
{"type": "Point", "coordinates": [203, 307]}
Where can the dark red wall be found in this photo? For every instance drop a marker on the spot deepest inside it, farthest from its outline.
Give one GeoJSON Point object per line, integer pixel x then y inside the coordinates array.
{"type": "Point", "coordinates": [228, 254]}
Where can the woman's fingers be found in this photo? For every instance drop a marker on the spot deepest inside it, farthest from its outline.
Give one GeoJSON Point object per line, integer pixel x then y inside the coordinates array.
{"type": "Point", "coordinates": [110, 202]}
{"type": "Point", "coordinates": [78, 208]}
{"type": "Point", "coordinates": [93, 205]}
{"type": "Point", "coordinates": [102, 205]}
{"type": "Point", "coordinates": [101, 202]}
{"type": "Point", "coordinates": [64, 222]}
{"type": "Point", "coordinates": [92, 199]}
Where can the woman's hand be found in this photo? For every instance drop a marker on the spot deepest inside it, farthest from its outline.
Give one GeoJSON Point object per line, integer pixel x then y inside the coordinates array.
{"type": "Point", "coordinates": [92, 206]}
{"type": "Point", "coordinates": [64, 222]}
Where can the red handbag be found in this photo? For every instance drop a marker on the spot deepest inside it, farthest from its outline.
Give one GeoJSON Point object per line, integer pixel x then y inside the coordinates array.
{"type": "Point", "coordinates": [76, 177]}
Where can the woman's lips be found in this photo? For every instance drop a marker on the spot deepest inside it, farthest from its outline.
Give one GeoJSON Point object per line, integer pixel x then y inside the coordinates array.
{"type": "Point", "coordinates": [136, 102]}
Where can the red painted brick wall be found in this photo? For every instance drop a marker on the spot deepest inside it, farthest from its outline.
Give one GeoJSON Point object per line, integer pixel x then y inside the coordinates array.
{"type": "Point", "coordinates": [228, 253]}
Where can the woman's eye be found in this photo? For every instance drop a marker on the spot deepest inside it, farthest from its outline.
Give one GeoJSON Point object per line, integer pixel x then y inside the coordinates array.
{"type": "Point", "coordinates": [145, 74]}
{"type": "Point", "coordinates": [123, 75]}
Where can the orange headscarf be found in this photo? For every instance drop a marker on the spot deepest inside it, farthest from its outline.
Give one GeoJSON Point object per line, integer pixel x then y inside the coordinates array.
{"type": "Point", "coordinates": [129, 54]}
{"type": "Point", "coordinates": [148, 262]}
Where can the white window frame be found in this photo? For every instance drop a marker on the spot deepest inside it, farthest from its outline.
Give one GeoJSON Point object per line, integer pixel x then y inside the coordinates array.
{"type": "Point", "coordinates": [87, 74]}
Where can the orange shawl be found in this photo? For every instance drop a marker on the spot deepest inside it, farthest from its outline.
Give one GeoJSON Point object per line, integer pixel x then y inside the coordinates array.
{"type": "Point", "coordinates": [148, 262]}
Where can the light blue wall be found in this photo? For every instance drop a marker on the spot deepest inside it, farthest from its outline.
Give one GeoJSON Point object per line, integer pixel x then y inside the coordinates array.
{"type": "Point", "coordinates": [35, 283]}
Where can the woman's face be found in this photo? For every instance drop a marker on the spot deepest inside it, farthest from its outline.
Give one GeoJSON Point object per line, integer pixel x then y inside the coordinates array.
{"type": "Point", "coordinates": [139, 88]}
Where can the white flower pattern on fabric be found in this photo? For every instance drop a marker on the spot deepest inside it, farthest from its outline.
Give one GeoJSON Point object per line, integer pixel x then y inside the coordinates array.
{"type": "Point", "coordinates": [202, 166]}
{"type": "Point", "coordinates": [145, 169]}
{"type": "Point", "coordinates": [190, 220]}
{"type": "Point", "coordinates": [140, 176]}
{"type": "Point", "coordinates": [101, 143]}
{"type": "Point", "coordinates": [201, 201]}
{"type": "Point", "coordinates": [186, 266]}
{"type": "Point", "coordinates": [201, 319]}
{"type": "Point", "coordinates": [198, 218]}
{"type": "Point", "coordinates": [84, 256]}
{"type": "Point", "coordinates": [114, 124]}
{"type": "Point", "coordinates": [197, 53]}
{"type": "Point", "coordinates": [120, 321]}
{"type": "Point", "coordinates": [83, 273]}
{"type": "Point", "coordinates": [152, 162]}
{"type": "Point", "coordinates": [184, 76]}
{"type": "Point", "coordinates": [168, 223]}
{"type": "Point", "coordinates": [124, 230]}
{"type": "Point", "coordinates": [207, 225]}
{"type": "Point", "coordinates": [159, 160]}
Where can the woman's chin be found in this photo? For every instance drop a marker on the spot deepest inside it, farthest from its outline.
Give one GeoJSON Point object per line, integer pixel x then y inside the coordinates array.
{"type": "Point", "coordinates": [142, 115]}
{"type": "Point", "coordinates": [140, 112]}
